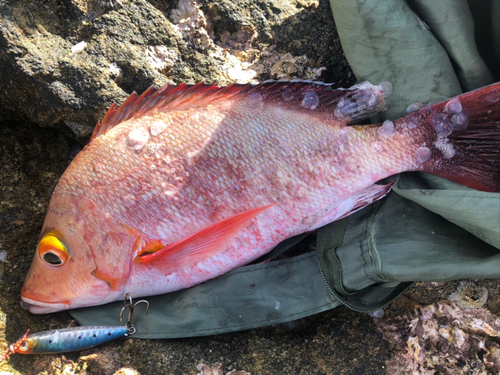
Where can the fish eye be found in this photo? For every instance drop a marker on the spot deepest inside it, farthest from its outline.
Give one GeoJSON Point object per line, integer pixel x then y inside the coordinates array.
{"type": "Point", "coordinates": [52, 251]}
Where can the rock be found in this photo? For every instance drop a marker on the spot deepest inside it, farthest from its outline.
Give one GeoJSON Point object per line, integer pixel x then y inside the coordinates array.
{"type": "Point", "coordinates": [65, 63]}
{"type": "Point", "coordinates": [127, 371]}
{"type": "Point", "coordinates": [470, 295]}
{"type": "Point", "coordinates": [54, 365]}
{"type": "Point", "coordinates": [444, 336]}
{"type": "Point", "coordinates": [103, 363]}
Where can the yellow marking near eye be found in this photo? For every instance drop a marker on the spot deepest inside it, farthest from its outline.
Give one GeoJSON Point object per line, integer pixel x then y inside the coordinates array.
{"type": "Point", "coordinates": [51, 244]}
{"type": "Point", "coordinates": [51, 240]}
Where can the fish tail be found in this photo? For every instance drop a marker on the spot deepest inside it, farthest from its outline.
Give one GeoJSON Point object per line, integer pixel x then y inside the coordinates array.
{"type": "Point", "coordinates": [465, 138]}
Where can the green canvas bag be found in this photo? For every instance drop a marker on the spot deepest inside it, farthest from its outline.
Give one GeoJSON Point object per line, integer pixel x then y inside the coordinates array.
{"type": "Point", "coordinates": [428, 229]}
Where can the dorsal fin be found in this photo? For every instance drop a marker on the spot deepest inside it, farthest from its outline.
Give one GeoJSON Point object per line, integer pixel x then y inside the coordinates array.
{"type": "Point", "coordinates": [347, 105]}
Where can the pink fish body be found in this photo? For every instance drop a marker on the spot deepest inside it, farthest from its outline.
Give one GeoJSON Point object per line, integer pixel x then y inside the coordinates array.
{"type": "Point", "coordinates": [185, 183]}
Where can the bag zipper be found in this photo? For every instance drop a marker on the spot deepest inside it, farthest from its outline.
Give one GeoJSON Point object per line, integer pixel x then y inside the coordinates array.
{"type": "Point", "coordinates": [341, 300]}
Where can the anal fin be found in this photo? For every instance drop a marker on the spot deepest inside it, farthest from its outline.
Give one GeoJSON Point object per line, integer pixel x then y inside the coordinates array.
{"type": "Point", "coordinates": [366, 197]}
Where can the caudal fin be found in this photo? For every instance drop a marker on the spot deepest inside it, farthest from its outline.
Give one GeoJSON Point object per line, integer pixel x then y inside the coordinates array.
{"type": "Point", "coordinates": [467, 134]}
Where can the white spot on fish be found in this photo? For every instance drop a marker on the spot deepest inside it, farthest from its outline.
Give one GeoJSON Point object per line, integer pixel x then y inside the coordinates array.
{"type": "Point", "coordinates": [365, 85]}
{"type": "Point", "coordinates": [56, 337]}
{"type": "Point", "coordinates": [492, 97]}
{"type": "Point", "coordinates": [387, 129]}
{"type": "Point", "coordinates": [77, 48]}
{"type": "Point", "coordinates": [254, 98]}
{"type": "Point", "coordinates": [151, 150]}
{"type": "Point", "coordinates": [446, 148]}
{"type": "Point", "coordinates": [99, 168]}
{"type": "Point", "coordinates": [310, 101]}
{"type": "Point", "coordinates": [277, 305]}
{"type": "Point", "coordinates": [342, 109]}
{"type": "Point", "coordinates": [412, 124]}
{"type": "Point", "coordinates": [442, 124]}
{"type": "Point", "coordinates": [137, 139]}
{"type": "Point", "coordinates": [377, 314]}
{"type": "Point", "coordinates": [386, 88]}
{"type": "Point", "coordinates": [423, 154]}
{"type": "Point", "coordinates": [460, 121]}
{"type": "Point", "coordinates": [344, 134]}
{"type": "Point", "coordinates": [157, 127]}
{"type": "Point", "coordinates": [377, 146]}
{"type": "Point", "coordinates": [415, 106]}
{"type": "Point", "coordinates": [453, 106]}
{"type": "Point", "coordinates": [3, 256]}
{"type": "Point", "coordinates": [287, 94]}
{"type": "Point", "coordinates": [363, 101]}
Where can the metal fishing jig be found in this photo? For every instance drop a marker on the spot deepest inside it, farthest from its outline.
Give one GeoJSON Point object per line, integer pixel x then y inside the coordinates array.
{"type": "Point", "coordinates": [71, 339]}
{"type": "Point", "coordinates": [75, 338]}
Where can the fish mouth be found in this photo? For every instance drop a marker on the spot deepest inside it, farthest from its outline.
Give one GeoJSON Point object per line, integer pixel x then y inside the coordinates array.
{"type": "Point", "coordinates": [37, 307]}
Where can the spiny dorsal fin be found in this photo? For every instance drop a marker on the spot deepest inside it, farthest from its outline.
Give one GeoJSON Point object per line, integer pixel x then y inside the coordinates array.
{"type": "Point", "coordinates": [347, 105]}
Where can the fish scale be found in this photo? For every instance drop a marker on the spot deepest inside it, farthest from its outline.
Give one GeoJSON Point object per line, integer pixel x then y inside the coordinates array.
{"type": "Point", "coordinates": [184, 183]}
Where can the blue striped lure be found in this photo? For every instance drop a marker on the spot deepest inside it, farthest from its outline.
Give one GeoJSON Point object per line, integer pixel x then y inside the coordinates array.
{"type": "Point", "coordinates": [74, 338]}
{"type": "Point", "coordinates": [71, 339]}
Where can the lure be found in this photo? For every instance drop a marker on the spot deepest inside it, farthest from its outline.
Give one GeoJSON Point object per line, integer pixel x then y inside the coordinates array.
{"type": "Point", "coordinates": [71, 339]}
{"type": "Point", "coordinates": [74, 338]}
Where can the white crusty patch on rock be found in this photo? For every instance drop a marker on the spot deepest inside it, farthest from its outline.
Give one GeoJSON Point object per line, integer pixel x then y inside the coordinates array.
{"type": "Point", "coordinates": [239, 55]}
{"type": "Point", "coordinates": [161, 57]}
{"type": "Point", "coordinates": [79, 47]}
{"type": "Point", "coordinates": [114, 70]}
{"type": "Point", "coordinates": [191, 23]}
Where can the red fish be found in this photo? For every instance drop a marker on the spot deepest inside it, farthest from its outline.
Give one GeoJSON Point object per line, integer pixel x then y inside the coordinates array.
{"type": "Point", "coordinates": [184, 183]}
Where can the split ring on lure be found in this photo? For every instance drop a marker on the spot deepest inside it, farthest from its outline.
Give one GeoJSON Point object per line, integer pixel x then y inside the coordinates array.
{"type": "Point", "coordinates": [74, 338]}
{"type": "Point", "coordinates": [12, 348]}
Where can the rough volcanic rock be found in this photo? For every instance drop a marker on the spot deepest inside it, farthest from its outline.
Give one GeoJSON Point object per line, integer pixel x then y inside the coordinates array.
{"type": "Point", "coordinates": [65, 62]}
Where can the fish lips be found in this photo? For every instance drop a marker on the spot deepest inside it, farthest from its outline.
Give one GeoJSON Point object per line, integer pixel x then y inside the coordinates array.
{"type": "Point", "coordinates": [37, 307]}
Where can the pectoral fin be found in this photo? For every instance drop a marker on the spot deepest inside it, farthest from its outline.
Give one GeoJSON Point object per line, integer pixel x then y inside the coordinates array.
{"type": "Point", "coordinates": [204, 243]}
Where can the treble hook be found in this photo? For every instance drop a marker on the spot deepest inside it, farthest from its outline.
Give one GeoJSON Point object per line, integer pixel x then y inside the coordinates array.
{"type": "Point", "coordinates": [131, 306]}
